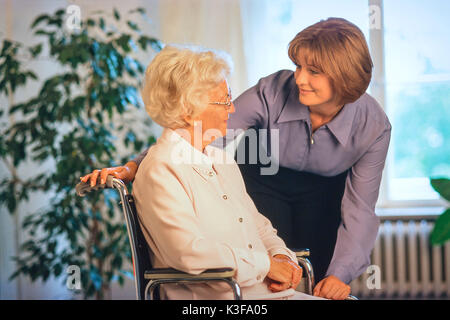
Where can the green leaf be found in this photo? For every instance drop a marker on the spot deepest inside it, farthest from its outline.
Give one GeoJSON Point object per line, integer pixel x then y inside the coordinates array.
{"type": "Point", "coordinates": [154, 43]}
{"type": "Point", "coordinates": [31, 74]}
{"type": "Point", "coordinates": [124, 42]}
{"type": "Point", "coordinates": [442, 186]}
{"type": "Point", "coordinates": [6, 45]}
{"type": "Point", "coordinates": [101, 23]}
{"type": "Point", "coordinates": [133, 25]}
{"type": "Point", "coordinates": [441, 230]}
{"type": "Point", "coordinates": [57, 21]}
{"type": "Point", "coordinates": [121, 281]}
{"type": "Point", "coordinates": [128, 274]}
{"type": "Point", "coordinates": [57, 269]}
{"type": "Point", "coordinates": [12, 204]}
{"type": "Point", "coordinates": [40, 19]}
{"type": "Point", "coordinates": [60, 12]}
{"type": "Point", "coordinates": [116, 14]}
{"type": "Point", "coordinates": [35, 50]}
{"type": "Point", "coordinates": [44, 33]}
{"type": "Point", "coordinates": [140, 10]}
{"type": "Point", "coordinates": [96, 279]}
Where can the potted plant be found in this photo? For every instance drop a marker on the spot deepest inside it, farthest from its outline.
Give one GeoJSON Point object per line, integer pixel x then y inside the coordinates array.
{"type": "Point", "coordinates": [76, 121]}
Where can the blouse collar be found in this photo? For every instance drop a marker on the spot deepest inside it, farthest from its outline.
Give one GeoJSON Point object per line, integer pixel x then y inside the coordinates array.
{"type": "Point", "coordinates": [340, 126]}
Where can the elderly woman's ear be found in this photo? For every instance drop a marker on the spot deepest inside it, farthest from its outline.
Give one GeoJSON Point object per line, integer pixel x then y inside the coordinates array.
{"type": "Point", "coordinates": [189, 120]}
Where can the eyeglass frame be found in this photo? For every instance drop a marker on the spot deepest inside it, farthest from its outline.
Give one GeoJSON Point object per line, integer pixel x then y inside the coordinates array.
{"type": "Point", "coordinates": [227, 104]}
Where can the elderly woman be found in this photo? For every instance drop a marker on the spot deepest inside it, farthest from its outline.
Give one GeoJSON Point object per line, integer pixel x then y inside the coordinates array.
{"type": "Point", "coordinates": [193, 207]}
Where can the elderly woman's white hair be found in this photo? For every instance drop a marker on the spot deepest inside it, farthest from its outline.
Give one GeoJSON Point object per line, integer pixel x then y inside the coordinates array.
{"type": "Point", "coordinates": [177, 82]}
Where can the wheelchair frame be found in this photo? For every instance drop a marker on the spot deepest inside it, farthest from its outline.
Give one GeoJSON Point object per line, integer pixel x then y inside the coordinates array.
{"type": "Point", "coordinates": [146, 278]}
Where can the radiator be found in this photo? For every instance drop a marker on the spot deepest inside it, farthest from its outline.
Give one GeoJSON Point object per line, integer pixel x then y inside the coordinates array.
{"type": "Point", "coordinates": [407, 265]}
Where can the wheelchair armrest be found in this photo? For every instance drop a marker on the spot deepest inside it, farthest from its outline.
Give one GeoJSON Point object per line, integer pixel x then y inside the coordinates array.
{"type": "Point", "coordinates": [169, 273]}
{"type": "Point", "coordinates": [301, 253]}
{"type": "Point", "coordinates": [160, 276]}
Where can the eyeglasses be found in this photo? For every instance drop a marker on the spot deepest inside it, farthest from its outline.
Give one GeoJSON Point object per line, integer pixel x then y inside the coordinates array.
{"type": "Point", "coordinates": [226, 104]}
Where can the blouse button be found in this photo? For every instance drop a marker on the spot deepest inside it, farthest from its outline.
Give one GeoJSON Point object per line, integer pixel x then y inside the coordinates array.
{"type": "Point", "coordinates": [240, 219]}
{"type": "Point", "coordinates": [250, 246]}
{"type": "Point", "coordinates": [224, 197]}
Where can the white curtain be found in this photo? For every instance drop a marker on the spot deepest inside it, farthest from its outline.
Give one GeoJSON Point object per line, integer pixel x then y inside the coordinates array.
{"type": "Point", "coordinates": [213, 24]}
{"type": "Point", "coordinates": [255, 33]}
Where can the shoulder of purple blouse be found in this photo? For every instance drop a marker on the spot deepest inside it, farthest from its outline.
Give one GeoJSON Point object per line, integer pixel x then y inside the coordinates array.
{"type": "Point", "coordinates": [272, 85]}
{"type": "Point", "coordinates": [280, 82]}
{"type": "Point", "coordinates": [266, 94]}
{"type": "Point", "coordinates": [369, 107]}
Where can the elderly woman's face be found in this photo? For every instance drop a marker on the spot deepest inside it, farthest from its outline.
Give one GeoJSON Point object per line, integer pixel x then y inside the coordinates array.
{"type": "Point", "coordinates": [214, 118]}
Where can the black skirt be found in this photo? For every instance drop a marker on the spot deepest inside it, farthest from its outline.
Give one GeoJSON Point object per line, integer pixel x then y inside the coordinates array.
{"type": "Point", "coordinates": [305, 208]}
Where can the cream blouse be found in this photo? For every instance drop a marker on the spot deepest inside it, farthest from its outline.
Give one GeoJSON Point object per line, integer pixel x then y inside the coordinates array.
{"type": "Point", "coordinates": [195, 214]}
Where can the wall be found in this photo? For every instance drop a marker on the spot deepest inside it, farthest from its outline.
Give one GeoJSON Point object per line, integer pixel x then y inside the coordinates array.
{"type": "Point", "coordinates": [15, 18]}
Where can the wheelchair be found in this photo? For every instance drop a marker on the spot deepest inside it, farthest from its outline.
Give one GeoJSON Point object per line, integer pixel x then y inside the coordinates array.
{"type": "Point", "coordinates": [148, 279]}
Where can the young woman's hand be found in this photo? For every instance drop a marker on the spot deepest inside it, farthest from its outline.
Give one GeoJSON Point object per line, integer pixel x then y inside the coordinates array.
{"type": "Point", "coordinates": [332, 287]}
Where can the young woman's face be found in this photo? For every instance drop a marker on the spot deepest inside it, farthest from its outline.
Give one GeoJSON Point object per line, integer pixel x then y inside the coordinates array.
{"type": "Point", "coordinates": [314, 86]}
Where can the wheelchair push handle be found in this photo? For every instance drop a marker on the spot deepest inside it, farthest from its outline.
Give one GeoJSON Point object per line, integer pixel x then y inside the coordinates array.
{"type": "Point", "coordinates": [82, 188]}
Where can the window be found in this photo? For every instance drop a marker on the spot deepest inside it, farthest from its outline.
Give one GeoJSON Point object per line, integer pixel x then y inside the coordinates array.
{"type": "Point", "coordinates": [417, 74]}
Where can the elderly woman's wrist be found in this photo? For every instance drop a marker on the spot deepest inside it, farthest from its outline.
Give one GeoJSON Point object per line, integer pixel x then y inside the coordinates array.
{"type": "Point", "coordinates": [282, 256]}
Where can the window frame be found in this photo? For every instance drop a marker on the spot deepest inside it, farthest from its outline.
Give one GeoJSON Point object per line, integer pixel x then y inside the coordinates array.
{"type": "Point", "coordinates": [378, 91]}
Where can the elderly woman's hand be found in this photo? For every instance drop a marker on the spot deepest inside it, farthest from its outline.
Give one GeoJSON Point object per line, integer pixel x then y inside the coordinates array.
{"type": "Point", "coordinates": [283, 273]}
{"type": "Point", "coordinates": [125, 173]}
{"type": "Point", "coordinates": [332, 287]}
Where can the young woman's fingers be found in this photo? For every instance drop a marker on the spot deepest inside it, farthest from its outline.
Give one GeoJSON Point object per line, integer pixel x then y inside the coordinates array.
{"type": "Point", "coordinates": [103, 174]}
{"type": "Point", "coordinates": [332, 292]}
{"type": "Point", "coordinates": [318, 289]}
{"type": "Point", "coordinates": [85, 179]}
{"type": "Point", "coordinates": [94, 177]}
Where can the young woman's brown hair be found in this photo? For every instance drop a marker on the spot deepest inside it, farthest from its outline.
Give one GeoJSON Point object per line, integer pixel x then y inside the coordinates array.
{"type": "Point", "coordinates": [337, 48]}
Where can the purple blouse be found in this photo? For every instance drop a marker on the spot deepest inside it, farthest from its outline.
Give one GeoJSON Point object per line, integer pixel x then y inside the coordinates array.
{"type": "Point", "coordinates": [357, 139]}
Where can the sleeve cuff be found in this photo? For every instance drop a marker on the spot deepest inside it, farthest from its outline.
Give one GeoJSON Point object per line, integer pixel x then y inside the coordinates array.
{"type": "Point", "coordinates": [342, 274]}
{"type": "Point", "coordinates": [251, 267]}
{"type": "Point", "coordinates": [284, 251]}
{"type": "Point", "coordinates": [262, 262]}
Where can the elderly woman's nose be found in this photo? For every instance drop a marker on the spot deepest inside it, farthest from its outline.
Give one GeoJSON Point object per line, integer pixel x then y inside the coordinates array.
{"type": "Point", "coordinates": [231, 109]}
